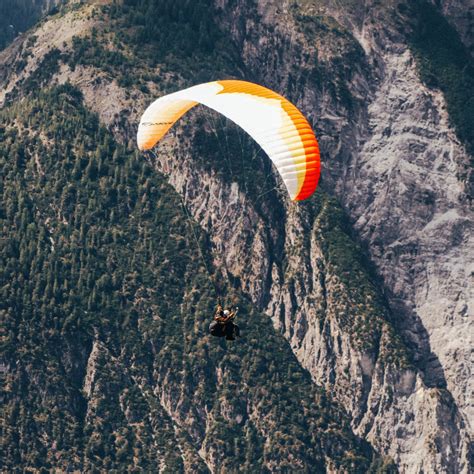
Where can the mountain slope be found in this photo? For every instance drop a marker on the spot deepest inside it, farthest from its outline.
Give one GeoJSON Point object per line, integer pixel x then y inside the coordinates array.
{"type": "Point", "coordinates": [108, 362]}
{"type": "Point", "coordinates": [375, 356]}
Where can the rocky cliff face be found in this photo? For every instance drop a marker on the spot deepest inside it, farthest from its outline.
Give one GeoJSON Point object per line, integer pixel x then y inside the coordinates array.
{"type": "Point", "coordinates": [397, 172]}
{"type": "Point", "coordinates": [401, 186]}
{"type": "Point", "coordinates": [391, 343]}
{"type": "Point", "coordinates": [344, 340]}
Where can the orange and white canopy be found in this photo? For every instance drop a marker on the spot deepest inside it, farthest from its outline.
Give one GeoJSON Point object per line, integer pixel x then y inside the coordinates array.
{"type": "Point", "coordinates": [274, 123]}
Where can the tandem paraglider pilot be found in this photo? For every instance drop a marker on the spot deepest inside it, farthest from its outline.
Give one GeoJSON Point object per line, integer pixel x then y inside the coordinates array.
{"type": "Point", "coordinates": [223, 324]}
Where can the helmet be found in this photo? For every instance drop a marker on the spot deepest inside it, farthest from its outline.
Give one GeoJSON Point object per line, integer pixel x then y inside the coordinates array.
{"type": "Point", "coordinates": [226, 312]}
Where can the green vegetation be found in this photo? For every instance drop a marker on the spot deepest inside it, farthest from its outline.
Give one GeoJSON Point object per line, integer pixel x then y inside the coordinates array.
{"type": "Point", "coordinates": [90, 51]}
{"type": "Point", "coordinates": [445, 63]}
{"type": "Point", "coordinates": [323, 32]}
{"type": "Point", "coordinates": [66, 276]}
{"type": "Point", "coordinates": [181, 37]}
{"type": "Point", "coordinates": [96, 253]}
{"type": "Point", "coordinates": [363, 311]}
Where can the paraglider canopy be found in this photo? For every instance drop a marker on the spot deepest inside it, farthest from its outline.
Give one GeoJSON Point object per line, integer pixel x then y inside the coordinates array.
{"type": "Point", "coordinates": [274, 123]}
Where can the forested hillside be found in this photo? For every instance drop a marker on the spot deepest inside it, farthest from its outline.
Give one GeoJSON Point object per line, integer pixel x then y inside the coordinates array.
{"type": "Point", "coordinates": [98, 257]}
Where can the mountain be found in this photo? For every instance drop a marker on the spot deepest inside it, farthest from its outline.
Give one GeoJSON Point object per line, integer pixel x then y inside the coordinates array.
{"type": "Point", "coordinates": [354, 305]}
